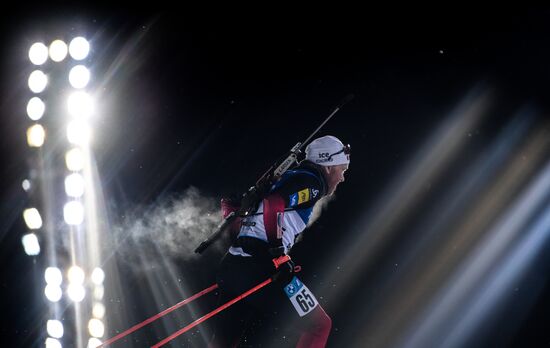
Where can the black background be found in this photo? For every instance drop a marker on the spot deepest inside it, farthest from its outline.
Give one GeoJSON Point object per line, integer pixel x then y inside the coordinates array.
{"type": "Point", "coordinates": [211, 100]}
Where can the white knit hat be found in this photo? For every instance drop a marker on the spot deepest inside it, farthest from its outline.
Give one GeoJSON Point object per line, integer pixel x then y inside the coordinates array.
{"type": "Point", "coordinates": [327, 151]}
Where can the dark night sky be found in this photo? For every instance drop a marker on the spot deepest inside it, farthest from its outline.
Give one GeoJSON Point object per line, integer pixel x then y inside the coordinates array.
{"type": "Point", "coordinates": [210, 101]}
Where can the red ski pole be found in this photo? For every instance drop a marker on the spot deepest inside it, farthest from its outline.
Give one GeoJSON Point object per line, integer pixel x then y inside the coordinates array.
{"type": "Point", "coordinates": [211, 314]}
{"type": "Point", "coordinates": [156, 316]}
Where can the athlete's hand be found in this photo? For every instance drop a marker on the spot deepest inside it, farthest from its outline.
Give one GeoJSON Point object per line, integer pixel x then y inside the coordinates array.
{"type": "Point", "coordinates": [284, 269]}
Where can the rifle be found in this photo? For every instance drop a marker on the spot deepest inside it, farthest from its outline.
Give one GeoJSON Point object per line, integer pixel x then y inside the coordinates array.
{"type": "Point", "coordinates": [254, 195]}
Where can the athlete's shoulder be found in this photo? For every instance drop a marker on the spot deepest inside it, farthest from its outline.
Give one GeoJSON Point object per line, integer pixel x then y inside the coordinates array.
{"type": "Point", "coordinates": [303, 184]}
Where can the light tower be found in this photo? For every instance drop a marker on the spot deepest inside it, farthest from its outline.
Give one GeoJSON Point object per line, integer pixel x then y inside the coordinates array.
{"type": "Point", "coordinates": [61, 219]}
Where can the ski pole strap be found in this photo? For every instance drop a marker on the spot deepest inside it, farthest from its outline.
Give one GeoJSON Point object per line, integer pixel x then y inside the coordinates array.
{"type": "Point", "coordinates": [155, 317]}
{"type": "Point", "coordinates": [211, 314]}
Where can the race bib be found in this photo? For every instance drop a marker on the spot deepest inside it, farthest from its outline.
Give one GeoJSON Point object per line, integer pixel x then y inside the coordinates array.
{"type": "Point", "coordinates": [300, 297]}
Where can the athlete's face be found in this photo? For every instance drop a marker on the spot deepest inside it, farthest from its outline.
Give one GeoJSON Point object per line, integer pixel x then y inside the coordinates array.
{"type": "Point", "coordinates": [334, 176]}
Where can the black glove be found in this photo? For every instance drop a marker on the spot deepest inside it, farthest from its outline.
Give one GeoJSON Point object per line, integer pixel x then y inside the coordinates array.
{"type": "Point", "coordinates": [284, 270]}
{"type": "Point", "coordinates": [276, 251]}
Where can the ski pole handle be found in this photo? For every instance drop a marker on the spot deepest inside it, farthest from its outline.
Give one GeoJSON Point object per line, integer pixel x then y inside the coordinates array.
{"type": "Point", "coordinates": [280, 260]}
